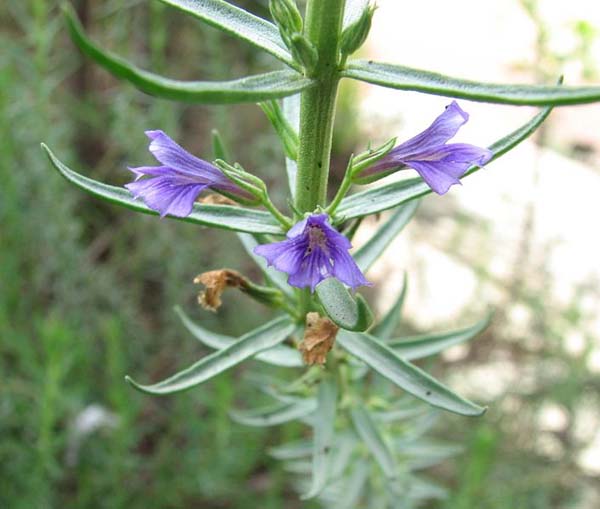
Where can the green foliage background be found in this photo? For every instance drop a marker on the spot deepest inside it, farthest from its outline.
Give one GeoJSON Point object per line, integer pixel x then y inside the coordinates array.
{"type": "Point", "coordinates": [86, 293]}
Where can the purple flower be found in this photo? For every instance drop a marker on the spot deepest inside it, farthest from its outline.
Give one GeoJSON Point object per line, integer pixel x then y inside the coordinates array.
{"type": "Point", "coordinates": [173, 187]}
{"type": "Point", "coordinates": [312, 252]}
{"type": "Point", "coordinates": [439, 163]}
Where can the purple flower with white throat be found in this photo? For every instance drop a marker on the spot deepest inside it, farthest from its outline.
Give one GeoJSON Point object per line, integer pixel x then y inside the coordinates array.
{"type": "Point", "coordinates": [174, 186]}
{"type": "Point", "coordinates": [439, 163]}
{"type": "Point", "coordinates": [312, 252]}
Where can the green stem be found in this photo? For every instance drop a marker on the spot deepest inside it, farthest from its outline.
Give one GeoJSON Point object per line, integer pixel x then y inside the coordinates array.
{"type": "Point", "coordinates": [322, 26]}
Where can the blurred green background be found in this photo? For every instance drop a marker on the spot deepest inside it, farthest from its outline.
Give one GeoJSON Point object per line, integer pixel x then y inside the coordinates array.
{"type": "Point", "coordinates": [87, 289]}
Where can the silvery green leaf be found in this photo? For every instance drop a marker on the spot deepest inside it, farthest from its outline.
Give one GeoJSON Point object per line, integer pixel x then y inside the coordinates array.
{"type": "Point", "coordinates": [280, 355]}
{"type": "Point", "coordinates": [323, 436]}
{"type": "Point", "coordinates": [216, 216]}
{"type": "Point", "coordinates": [417, 347]}
{"type": "Point", "coordinates": [396, 193]}
{"type": "Point", "coordinates": [292, 450]}
{"type": "Point", "coordinates": [407, 376]}
{"type": "Point", "coordinates": [262, 87]}
{"type": "Point", "coordinates": [264, 337]}
{"type": "Point", "coordinates": [342, 308]}
{"type": "Point", "coordinates": [373, 248]}
{"type": "Point", "coordinates": [354, 486]}
{"type": "Point", "coordinates": [279, 279]}
{"type": "Point", "coordinates": [291, 111]}
{"type": "Point", "coordinates": [388, 324]}
{"type": "Point", "coordinates": [238, 23]}
{"type": "Point", "coordinates": [369, 432]}
{"type": "Point", "coordinates": [406, 78]}
{"type": "Point", "coordinates": [274, 415]}
{"type": "Point", "coordinates": [425, 454]}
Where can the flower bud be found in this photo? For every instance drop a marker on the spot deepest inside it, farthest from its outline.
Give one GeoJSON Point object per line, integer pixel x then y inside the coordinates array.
{"type": "Point", "coordinates": [304, 52]}
{"type": "Point", "coordinates": [288, 18]}
{"type": "Point", "coordinates": [355, 35]}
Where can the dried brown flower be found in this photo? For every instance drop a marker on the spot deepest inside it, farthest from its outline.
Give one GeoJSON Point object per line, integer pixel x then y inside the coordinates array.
{"type": "Point", "coordinates": [319, 337]}
{"type": "Point", "coordinates": [215, 282]}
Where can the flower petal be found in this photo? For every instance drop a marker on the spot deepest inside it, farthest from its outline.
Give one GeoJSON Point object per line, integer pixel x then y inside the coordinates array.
{"type": "Point", "coordinates": [166, 195]}
{"type": "Point", "coordinates": [346, 270]}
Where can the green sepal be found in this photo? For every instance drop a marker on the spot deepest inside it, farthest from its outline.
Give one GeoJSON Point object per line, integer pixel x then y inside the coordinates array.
{"type": "Point", "coordinates": [368, 158]}
{"type": "Point", "coordinates": [262, 87]}
{"type": "Point", "coordinates": [406, 78]}
{"type": "Point", "coordinates": [343, 310]}
{"type": "Point", "coordinates": [248, 182]}
{"type": "Point", "coordinates": [216, 216]}
{"type": "Point", "coordinates": [405, 375]}
{"type": "Point", "coordinates": [286, 15]}
{"type": "Point", "coordinates": [237, 22]}
{"type": "Point", "coordinates": [287, 134]}
{"type": "Point", "coordinates": [263, 338]}
{"type": "Point", "coordinates": [396, 193]}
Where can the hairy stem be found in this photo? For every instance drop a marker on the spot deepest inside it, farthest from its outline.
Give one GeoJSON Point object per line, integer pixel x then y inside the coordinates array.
{"type": "Point", "coordinates": [323, 25]}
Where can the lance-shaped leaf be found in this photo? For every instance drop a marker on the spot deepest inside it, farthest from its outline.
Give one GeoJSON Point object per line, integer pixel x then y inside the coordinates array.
{"type": "Point", "coordinates": [417, 347]}
{"type": "Point", "coordinates": [279, 355]}
{"type": "Point", "coordinates": [274, 415]}
{"type": "Point", "coordinates": [367, 429]}
{"type": "Point", "coordinates": [238, 23]}
{"type": "Point", "coordinates": [292, 450]}
{"type": "Point", "coordinates": [399, 192]}
{"type": "Point", "coordinates": [406, 78]}
{"type": "Point", "coordinates": [354, 486]}
{"type": "Point", "coordinates": [279, 279]}
{"type": "Point", "coordinates": [388, 323]}
{"type": "Point", "coordinates": [412, 379]}
{"type": "Point", "coordinates": [291, 111]}
{"type": "Point", "coordinates": [216, 216]}
{"type": "Point", "coordinates": [261, 87]}
{"type": "Point", "coordinates": [323, 435]}
{"type": "Point", "coordinates": [343, 310]}
{"type": "Point", "coordinates": [375, 246]}
{"type": "Point", "coordinates": [267, 336]}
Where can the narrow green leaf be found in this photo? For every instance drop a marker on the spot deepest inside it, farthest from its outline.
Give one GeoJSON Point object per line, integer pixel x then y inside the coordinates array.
{"type": "Point", "coordinates": [375, 246]}
{"type": "Point", "coordinates": [291, 111]}
{"type": "Point", "coordinates": [367, 429]}
{"type": "Point", "coordinates": [274, 415]}
{"type": "Point", "coordinates": [343, 310]}
{"type": "Point", "coordinates": [216, 216]}
{"type": "Point", "coordinates": [238, 23]}
{"type": "Point", "coordinates": [405, 375]}
{"type": "Point", "coordinates": [406, 78]}
{"type": "Point", "coordinates": [292, 450]}
{"type": "Point", "coordinates": [354, 486]}
{"type": "Point", "coordinates": [261, 87]}
{"type": "Point", "coordinates": [399, 192]}
{"type": "Point", "coordinates": [417, 347]}
{"type": "Point", "coordinates": [323, 435]}
{"type": "Point", "coordinates": [279, 279]}
{"type": "Point", "coordinates": [388, 324]}
{"type": "Point", "coordinates": [267, 336]}
{"type": "Point", "coordinates": [425, 454]}
{"type": "Point", "coordinates": [279, 355]}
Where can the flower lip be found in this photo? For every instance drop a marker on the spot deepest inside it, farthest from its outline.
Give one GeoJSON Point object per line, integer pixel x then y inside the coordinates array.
{"type": "Point", "coordinates": [313, 251]}
{"type": "Point", "coordinates": [174, 185]}
{"type": "Point", "coordinates": [438, 162]}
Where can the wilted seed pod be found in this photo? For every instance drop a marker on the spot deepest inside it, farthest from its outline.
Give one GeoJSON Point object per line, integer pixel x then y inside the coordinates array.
{"type": "Point", "coordinates": [355, 35]}
{"type": "Point", "coordinates": [287, 16]}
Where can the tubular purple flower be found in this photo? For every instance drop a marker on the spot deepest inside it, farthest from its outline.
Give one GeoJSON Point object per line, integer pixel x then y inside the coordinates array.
{"type": "Point", "coordinates": [174, 187]}
{"type": "Point", "coordinates": [312, 252]}
{"type": "Point", "coordinates": [439, 163]}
